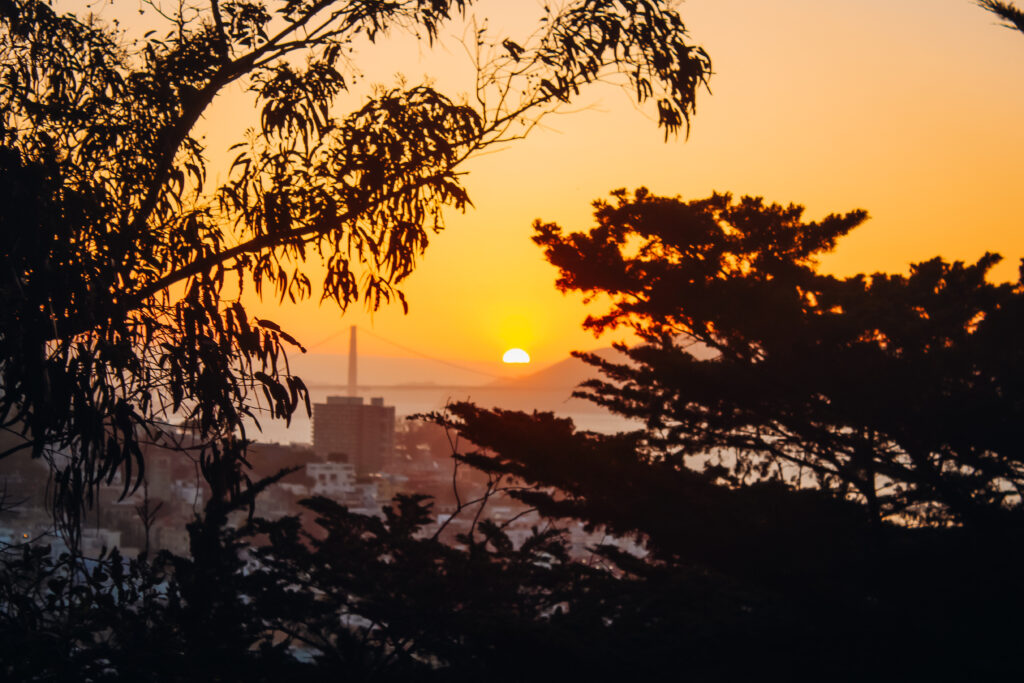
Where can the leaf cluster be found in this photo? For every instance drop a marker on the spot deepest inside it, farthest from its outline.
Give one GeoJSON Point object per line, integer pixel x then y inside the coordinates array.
{"type": "Point", "coordinates": [898, 391]}
{"type": "Point", "coordinates": [800, 581]}
{"type": "Point", "coordinates": [123, 271]}
{"type": "Point", "coordinates": [342, 595]}
{"type": "Point", "coordinates": [1011, 15]}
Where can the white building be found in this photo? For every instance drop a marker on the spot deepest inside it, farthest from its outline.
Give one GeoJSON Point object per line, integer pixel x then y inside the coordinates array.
{"type": "Point", "coordinates": [332, 479]}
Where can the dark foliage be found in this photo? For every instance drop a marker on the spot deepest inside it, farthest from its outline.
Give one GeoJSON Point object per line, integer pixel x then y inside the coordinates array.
{"type": "Point", "coordinates": [1011, 15]}
{"type": "Point", "coordinates": [834, 494]}
{"type": "Point", "coordinates": [756, 579]}
{"type": "Point", "coordinates": [355, 597]}
{"type": "Point", "coordinates": [827, 483]}
{"type": "Point", "coordinates": [749, 568]}
{"type": "Point", "coordinates": [896, 391]}
{"type": "Point", "coordinates": [123, 271]}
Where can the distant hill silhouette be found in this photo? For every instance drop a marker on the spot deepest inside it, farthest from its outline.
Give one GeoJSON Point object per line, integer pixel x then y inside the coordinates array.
{"type": "Point", "coordinates": [569, 373]}
{"type": "Point", "coordinates": [565, 374]}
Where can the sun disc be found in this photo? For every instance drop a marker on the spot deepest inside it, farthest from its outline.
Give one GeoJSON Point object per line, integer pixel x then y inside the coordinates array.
{"type": "Point", "coordinates": [515, 356]}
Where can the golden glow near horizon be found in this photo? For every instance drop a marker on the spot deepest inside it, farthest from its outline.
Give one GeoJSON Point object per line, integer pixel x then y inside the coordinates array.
{"type": "Point", "coordinates": [515, 356]}
{"type": "Point", "coordinates": [910, 110]}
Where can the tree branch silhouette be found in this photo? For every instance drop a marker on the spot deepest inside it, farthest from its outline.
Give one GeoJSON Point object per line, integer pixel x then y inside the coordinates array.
{"type": "Point", "coordinates": [1011, 15]}
{"type": "Point", "coordinates": [123, 272]}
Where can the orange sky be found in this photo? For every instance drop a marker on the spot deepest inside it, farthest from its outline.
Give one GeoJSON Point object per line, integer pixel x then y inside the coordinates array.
{"type": "Point", "coordinates": [911, 110]}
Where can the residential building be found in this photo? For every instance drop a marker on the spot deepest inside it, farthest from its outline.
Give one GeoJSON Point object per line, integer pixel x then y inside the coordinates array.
{"type": "Point", "coordinates": [363, 433]}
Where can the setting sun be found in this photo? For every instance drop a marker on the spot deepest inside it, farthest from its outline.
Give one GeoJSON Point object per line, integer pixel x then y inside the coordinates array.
{"type": "Point", "coordinates": [515, 356]}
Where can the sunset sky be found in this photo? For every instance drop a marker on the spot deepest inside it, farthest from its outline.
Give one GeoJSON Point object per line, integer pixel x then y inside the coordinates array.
{"type": "Point", "coordinates": [911, 110]}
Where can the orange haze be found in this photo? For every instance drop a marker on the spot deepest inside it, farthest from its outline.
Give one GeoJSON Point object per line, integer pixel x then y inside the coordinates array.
{"type": "Point", "coordinates": [908, 109]}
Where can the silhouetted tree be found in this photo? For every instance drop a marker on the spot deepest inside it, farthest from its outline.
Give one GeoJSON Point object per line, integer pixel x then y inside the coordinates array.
{"type": "Point", "coordinates": [900, 392]}
{"type": "Point", "coordinates": [1011, 15]}
{"type": "Point", "coordinates": [122, 270]}
{"type": "Point", "coordinates": [828, 466]}
{"type": "Point", "coordinates": [349, 596]}
{"type": "Point", "coordinates": [798, 581]}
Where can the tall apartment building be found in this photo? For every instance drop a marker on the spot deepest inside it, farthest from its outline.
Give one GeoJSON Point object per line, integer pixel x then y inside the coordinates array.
{"type": "Point", "coordinates": [363, 433]}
